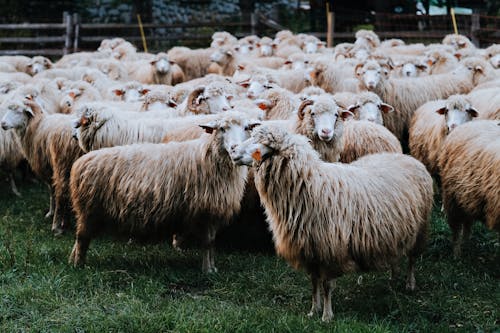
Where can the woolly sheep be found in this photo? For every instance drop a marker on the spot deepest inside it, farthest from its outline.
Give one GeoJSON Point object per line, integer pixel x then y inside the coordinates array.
{"type": "Point", "coordinates": [469, 166]}
{"type": "Point", "coordinates": [159, 70]}
{"type": "Point", "coordinates": [428, 127]}
{"type": "Point", "coordinates": [493, 55]}
{"type": "Point", "coordinates": [204, 194]}
{"type": "Point", "coordinates": [194, 63]}
{"type": "Point", "coordinates": [277, 103]}
{"type": "Point", "coordinates": [330, 218]}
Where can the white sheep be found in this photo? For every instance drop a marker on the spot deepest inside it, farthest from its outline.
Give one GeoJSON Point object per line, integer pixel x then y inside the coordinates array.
{"type": "Point", "coordinates": [204, 194]}
{"type": "Point", "coordinates": [331, 218]}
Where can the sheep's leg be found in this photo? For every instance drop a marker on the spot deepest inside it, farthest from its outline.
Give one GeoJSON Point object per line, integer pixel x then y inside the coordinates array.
{"type": "Point", "coordinates": [328, 287]}
{"type": "Point", "coordinates": [208, 265]}
{"type": "Point", "coordinates": [395, 272]}
{"type": "Point", "coordinates": [13, 186]}
{"type": "Point", "coordinates": [50, 213]}
{"type": "Point", "coordinates": [316, 296]}
{"type": "Point", "coordinates": [410, 280]}
{"type": "Point", "coordinates": [62, 211]}
{"type": "Point", "coordinates": [79, 252]}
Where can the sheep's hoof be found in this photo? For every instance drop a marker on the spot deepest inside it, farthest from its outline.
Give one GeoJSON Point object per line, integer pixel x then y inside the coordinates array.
{"type": "Point", "coordinates": [49, 214]}
{"type": "Point", "coordinates": [16, 193]}
{"type": "Point", "coordinates": [57, 231]}
{"type": "Point", "coordinates": [327, 317]}
{"type": "Point", "coordinates": [311, 314]}
{"type": "Point", "coordinates": [411, 285]}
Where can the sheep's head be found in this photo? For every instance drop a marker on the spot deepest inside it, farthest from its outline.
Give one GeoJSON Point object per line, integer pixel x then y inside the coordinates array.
{"type": "Point", "coordinates": [19, 112]}
{"type": "Point", "coordinates": [371, 73]}
{"type": "Point", "coordinates": [157, 101]}
{"type": "Point", "coordinates": [267, 141]}
{"type": "Point", "coordinates": [131, 92]}
{"type": "Point", "coordinates": [38, 64]}
{"type": "Point", "coordinates": [8, 86]}
{"type": "Point", "coordinates": [257, 85]}
{"type": "Point", "coordinates": [370, 107]}
{"type": "Point", "coordinates": [493, 55]}
{"type": "Point", "coordinates": [322, 118]}
{"type": "Point", "coordinates": [209, 99]}
{"type": "Point", "coordinates": [244, 48]}
{"type": "Point", "coordinates": [317, 74]}
{"type": "Point", "coordinates": [222, 56]}
{"type": "Point", "coordinates": [266, 46]}
{"type": "Point", "coordinates": [411, 68]}
{"type": "Point", "coordinates": [232, 129]}
{"type": "Point", "coordinates": [312, 45]}
{"type": "Point", "coordinates": [478, 67]}
{"type": "Point", "coordinates": [457, 111]}
{"type": "Point", "coordinates": [367, 38]}
{"type": "Point", "coordinates": [457, 41]}
{"type": "Point", "coordinates": [68, 100]}
{"type": "Point", "coordinates": [161, 63]}
{"type": "Point", "coordinates": [87, 119]}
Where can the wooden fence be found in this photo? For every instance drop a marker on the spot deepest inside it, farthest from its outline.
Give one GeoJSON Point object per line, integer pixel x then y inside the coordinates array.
{"type": "Point", "coordinates": [71, 35]}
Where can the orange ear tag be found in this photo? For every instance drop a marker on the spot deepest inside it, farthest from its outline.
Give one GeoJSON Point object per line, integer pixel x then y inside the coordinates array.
{"type": "Point", "coordinates": [256, 155]}
{"type": "Point", "coordinates": [72, 94]}
{"type": "Point", "coordinates": [429, 62]}
{"type": "Point", "coordinates": [262, 106]}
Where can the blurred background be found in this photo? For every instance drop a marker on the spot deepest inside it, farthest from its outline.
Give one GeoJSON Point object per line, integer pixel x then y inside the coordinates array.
{"type": "Point", "coordinates": [58, 27]}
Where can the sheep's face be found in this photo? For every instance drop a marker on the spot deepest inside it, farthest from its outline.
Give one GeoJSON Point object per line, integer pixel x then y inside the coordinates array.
{"type": "Point", "coordinates": [456, 114]}
{"type": "Point", "coordinates": [244, 48]}
{"type": "Point", "coordinates": [312, 46]}
{"type": "Point", "coordinates": [217, 103]}
{"type": "Point", "coordinates": [371, 77]}
{"type": "Point", "coordinates": [254, 148]}
{"type": "Point", "coordinates": [221, 56]}
{"type": "Point", "coordinates": [159, 105]}
{"type": "Point", "coordinates": [409, 70]}
{"type": "Point", "coordinates": [6, 87]}
{"type": "Point", "coordinates": [131, 94]}
{"type": "Point", "coordinates": [495, 60]}
{"type": "Point", "coordinates": [38, 65]}
{"type": "Point", "coordinates": [162, 65]}
{"type": "Point", "coordinates": [267, 49]}
{"type": "Point", "coordinates": [232, 132]}
{"type": "Point", "coordinates": [17, 116]}
{"type": "Point", "coordinates": [256, 88]}
{"type": "Point", "coordinates": [322, 118]}
{"type": "Point", "coordinates": [371, 111]}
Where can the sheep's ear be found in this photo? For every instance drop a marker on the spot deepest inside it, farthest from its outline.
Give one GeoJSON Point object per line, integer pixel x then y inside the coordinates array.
{"type": "Point", "coordinates": [357, 71]}
{"type": "Point", "coordinates": [241, 67]}
{"type": "Point", "coordinates": [442, 111]}
{"type": "Point", "coordinates": [274, 45]}
{"type": "Point", "coordinates": [386, 108]}
{"type": "Point", "coordinates": [47, 63]}
{"type": "Point", "coordinates": [244, 84]}
{"type": "Point", "coordinates": [257, 44]}
{"type": "Point", "coordinates": [346, 114]}
{"type": "Point", "coordinates": [253, 124]}
{"type": "Point", "coordinates": [72, 94]}
{"type": "Point", "coordinates": [210, 127]}
{"type": "Point", "coordinates": [472, 112]}
{"type": "Point", "coordinates": [353, 108]}
{"type": "Point", "coordinates": [171, 103]}
{"type": "Point", "coordinates": [320, 44]}
{"type": "Point", "coordinates": [288, 62]}
{"type": "Point", "coordinates": [302, 107]}
{"type": "Point", "coordinates": [119, 92]}
{"type": "Point", "coordinates": [144, 91]}
{"type": "Point", "coordinates": [458, 56]}
{"type": "Point", "coordinates": [422, 67]}
{"type": "Point", "coordinates": [153, 62]}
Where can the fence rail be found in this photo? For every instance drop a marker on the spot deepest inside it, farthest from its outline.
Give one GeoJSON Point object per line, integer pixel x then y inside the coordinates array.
{"type": "Point", "coordinates": [57, 39]}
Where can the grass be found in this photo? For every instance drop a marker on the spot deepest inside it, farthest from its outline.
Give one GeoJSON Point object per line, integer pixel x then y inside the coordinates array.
{"type": "Point", "coordinates": [152, 288]}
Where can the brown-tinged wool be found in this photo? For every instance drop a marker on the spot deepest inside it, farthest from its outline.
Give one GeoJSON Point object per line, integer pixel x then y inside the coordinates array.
{"type": "Point", "coordinates": [46, 141]}
{"type": "Point", "coordinates": [194, 63]}
{"type": "Point", "coordinates": [427, 134]}
{"type": "Point", "coordinates": [329, 151]}
{"type": "Point", "coordinates": [361, 137]}
{"type": "Point", "coordinates": [189, 187]}
{"type": "Point", "coordinates": [334, 76]}
{"type": "Point", "coordinates": [103, 127]}
{"type": "Point", "coordinates": [333, 218]}
{"type": "Point", "coordinates": [470, 174]}
{"type": "Point", "coordinates": [408, 94]}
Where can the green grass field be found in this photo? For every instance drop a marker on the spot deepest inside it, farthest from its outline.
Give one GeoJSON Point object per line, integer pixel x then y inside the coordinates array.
{"type": "Point", "coordinates": [153, 288]}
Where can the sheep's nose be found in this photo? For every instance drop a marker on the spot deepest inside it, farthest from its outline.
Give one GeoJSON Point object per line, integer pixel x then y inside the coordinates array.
{"type": "Point", "coordinates": [225, 108]}
{"type": "Point", "coordinates": [326, 131]}
{"type": "Point", "coordinates": [453, 126]}
{"type": "Point", "coordinates": [4, 125]}
{"type": "Point", "coordinates": [233, 147]}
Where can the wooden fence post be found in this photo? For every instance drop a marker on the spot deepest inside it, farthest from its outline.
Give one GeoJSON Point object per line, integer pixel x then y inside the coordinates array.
{"type": "Point", "coordinates": [474, 28]}
{"type": "Point", "coordinates": [67, 20]}
{"type": "Point", "coordinates": [330, 25]}
{"type": "Point", "coordinates": [76, 30]}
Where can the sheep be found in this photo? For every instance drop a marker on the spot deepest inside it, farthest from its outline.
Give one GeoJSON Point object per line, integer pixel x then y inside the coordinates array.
{"type": "Point", "coordinates": [158, 101]}
{"type": "Point", "coordinates": [439, 61]}
{"type": "Point", "coordinates": [469, 166]}
{"type": "Point", "coordinates": [266, 46]}
{"type": "Point", "coordinates": [222, 38]}
{"type": "Point", "coordinates": [6, 67]}
{"type": "Point", "coordinates": [37, 65]}
{"type": "Point", "coordinates": [131, 91]}
{"type": "Point", "coordinates": [409, 67]}
{"type": "Point", "coordinates": [493, 55]}
{"type": "Point", "coordinates": [407, 94]}
{"type": "Point", "coordinates": [204, 194]}
{"type": "Point", "coordinates": [194, 63]}
{"type": "Point", "coordinates": [77, 93]}
{"type": "Point", "coordinates": [364, 105]}
{"type": "Point", "coordinates": [334, 77]}
{"type": "Point", "coordinates": [20, 63]}
{"type": "Point", "coordinates": [11, 154]}
{"type": "Point", "coordinates": [486, 102]}
{"type": "Point", "coordinates": [367, 38]}
{"type": "Point", "coordinates": [212, 98]}
{"type": "Point", "coordinates": [330, 218]}
{"type": "Point", "coordinates": [43, 137]}
{"type": "Point", "coordinates": [458, 41]}
{"type": "Point", "coordinates": [322, 121]}
{"type": "Point", "coordinates": [159, 70]}
{"type": "Point", "coordinates": [277, 103]}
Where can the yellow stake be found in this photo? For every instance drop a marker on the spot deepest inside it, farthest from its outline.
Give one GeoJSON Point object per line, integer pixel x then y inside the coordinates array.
{"type": "Point", "coordinates": [144, 45]}
{"type": "Point", "coordinates": [452, 12]}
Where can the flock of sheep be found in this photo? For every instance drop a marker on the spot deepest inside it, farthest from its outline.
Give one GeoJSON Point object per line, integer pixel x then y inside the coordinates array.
{"type": "Point", "coordinates": [178, 142]}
